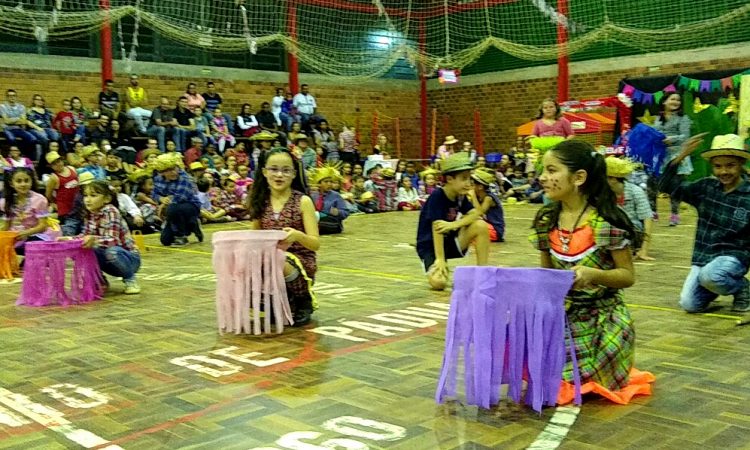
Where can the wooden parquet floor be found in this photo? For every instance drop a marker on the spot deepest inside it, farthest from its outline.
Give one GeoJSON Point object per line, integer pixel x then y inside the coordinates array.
{"type": "Point", "coordinates": [151, 371]}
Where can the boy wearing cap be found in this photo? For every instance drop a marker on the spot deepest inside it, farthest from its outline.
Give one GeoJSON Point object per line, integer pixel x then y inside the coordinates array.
{"type": "Point", "coordinates": [632, 199]}
{"type": "Point", "coordinates": [93, 157]}
{"type": "Point", "coordinates": [448, 223]}
{"type": "Point", "coordinates": [721, 255]}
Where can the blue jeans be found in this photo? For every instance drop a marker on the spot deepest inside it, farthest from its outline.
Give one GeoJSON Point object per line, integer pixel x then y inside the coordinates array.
{"type": "Point", "coordinates": [11, 133]}
{"type": "Point", "coordinates": [181, 221]}
{"type": "Point", "coordinates": [118, 262]}
{"type": "Point", "coordinates": [724, 275]}
{"type": "Point", "coordinates": [160, 134]}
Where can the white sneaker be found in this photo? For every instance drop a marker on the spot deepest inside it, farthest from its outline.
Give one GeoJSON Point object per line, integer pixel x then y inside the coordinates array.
{"type": "Point", "coordinates": [132, 287]}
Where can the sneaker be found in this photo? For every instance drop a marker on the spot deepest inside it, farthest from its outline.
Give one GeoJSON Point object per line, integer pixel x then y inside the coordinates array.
{"type": "Point", "coordinates": [742, 300]}
{"type": "Point", "coordinates": [302, 309]}
{"type": "Point", "coordinates": [198, 231]}
{"type": "Point", "coordinates": [674, 220]}
{"type": "Point", "coordinates": [180, 241]}
{"type": "Point", "coordinates": [132, 287]}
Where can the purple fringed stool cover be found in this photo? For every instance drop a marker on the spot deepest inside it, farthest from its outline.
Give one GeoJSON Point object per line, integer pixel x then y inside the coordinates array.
{"type": "Point", "coordinates": [508, 323]}
{"type": "Point", "coordinates": [44, 280]}
{"type": "Point", "coordinates": [249, 272]}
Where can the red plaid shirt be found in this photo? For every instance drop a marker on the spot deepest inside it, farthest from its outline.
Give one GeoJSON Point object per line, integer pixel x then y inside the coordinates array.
{"type": "Point", "coordinates": [109, 228]}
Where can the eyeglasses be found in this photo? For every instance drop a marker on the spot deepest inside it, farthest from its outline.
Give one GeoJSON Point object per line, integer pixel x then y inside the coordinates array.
{"type": "Point", "coordinates": [285, 171]}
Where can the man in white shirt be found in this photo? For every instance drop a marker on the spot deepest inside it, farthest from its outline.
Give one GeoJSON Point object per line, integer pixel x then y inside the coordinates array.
{"type": "Point", "coordinates": [305, 104]}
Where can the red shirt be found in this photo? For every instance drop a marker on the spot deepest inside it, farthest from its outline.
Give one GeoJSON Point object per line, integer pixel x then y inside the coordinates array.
{"type": "Point", "coordinates": [66, 192]}
{"type": "Point", "coordinates": [65, 122]}
{"type": "Point", "coordinates": [191, 155]}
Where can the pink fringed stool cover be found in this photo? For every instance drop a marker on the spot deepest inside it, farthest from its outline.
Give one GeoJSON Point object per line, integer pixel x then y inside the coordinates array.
{"type": "Point", "coordinates": [8, 259]}
{"type": "Point", "coordinates": [44, 281]}
{"type": "Point", "coordinates": [249, 273]}
{"type": "Point", "coordinates": [510, 325]}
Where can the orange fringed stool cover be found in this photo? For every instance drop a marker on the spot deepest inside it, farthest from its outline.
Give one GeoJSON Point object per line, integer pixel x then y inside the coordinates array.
{"type": "Point", "coordinates": [639, 384]}
{"type": "Point", "coordinates": [8, 260]}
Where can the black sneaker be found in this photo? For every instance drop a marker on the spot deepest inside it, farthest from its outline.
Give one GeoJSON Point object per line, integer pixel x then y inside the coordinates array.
{"type": "Point", "coordinates": [742, 300]}
{"type": "Point", "coordinates": [180, 241]}
{"type": "Point", "coordinates": [301, 310]}
{"type": "Point", "coordinates": [198, 231]}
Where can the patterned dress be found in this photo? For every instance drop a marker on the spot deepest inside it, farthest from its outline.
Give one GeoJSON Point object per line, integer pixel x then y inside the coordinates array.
{"type": "Point", "coordinates": [600, 324]}
{"type": "Point", "coordinates": [291, 216]}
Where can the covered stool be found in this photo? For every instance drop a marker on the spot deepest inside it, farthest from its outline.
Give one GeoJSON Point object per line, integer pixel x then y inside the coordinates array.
{"type": "Point", "coordinates": [8, 260]}
{"type": "Point", "coordinates": [509, 324]}
{"type": "Point", "coordinates": [249, 270]}
{"type": "Point", "coordinates": [45, 282]}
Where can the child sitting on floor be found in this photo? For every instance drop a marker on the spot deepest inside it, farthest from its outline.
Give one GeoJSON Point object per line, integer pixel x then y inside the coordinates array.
{"type": "Point", "coordinates": [209, 213]}
{"type": "Point", "coordinates": [408, 197]}
{"type": "Point", "coordinates": [486, 198]}
{"type": "Point", "coordinates": [448, 223]}
{"type": "Point", "coordinates": [22, 210]}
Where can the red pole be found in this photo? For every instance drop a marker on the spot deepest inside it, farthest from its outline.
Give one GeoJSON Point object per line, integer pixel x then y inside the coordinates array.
{"type": "Point", "coordinates": [478, 132]}
{"type": "Point", "coordinates": [375, 130]}
{"type": "Point", "coordinates": [105, 43]}
{"type": "Point", "coordinates": [291, 23]}
{"type": "Point", "coordinates": [397, 125]}
{"type": "Point", "coordinates": [423, 91]}
{"type": "Point", "coordinates": [563, 76]}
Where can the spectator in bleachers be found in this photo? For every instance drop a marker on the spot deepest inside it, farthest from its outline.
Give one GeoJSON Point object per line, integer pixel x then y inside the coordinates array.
{"type": "Point", "coordinates": [213, 100]}
{"type": "Point", "coordinates": [283, 118]}
{"type": "Point", "coordinates": [307, 154]}
{"type": "Point", "coordinates": [264, 140]}
{"type": "Point", "coordinates": [93, 163]}
{"type": "Point", "coordinates": [382, 145]}
{"type": "Point", "coordinates": [14, 120]}
{"type": "Point", "coordinates": [118, 138]}
{"type": "Point", "coordinates": [109, 100]}
{"type": "Point", "coordinates": [306, 106]}
{"type": "Point", "coordinates": [101, 131]}
{"type": "Point", "coordinates": [185, 124]}
{"type": "Point", "coordinates": [326, 138]}
{"type": "Point", "coordinates": [136, 102]}
{"type": "Point", "coordinates": [114, 165]}
{"type": "Point", "coordinates": [16, 158]}
{"type": "Point", "coordinates": [40, 124]}
{"type": "Point", "coordinates": [267, 121]}
{"type": "Point", "coordinates": [348, 146]}
{"type": "Point", "coordinates": [81, 117]}
{"type": "Point", "coordinates": [75, 156]}
{"type": "Point", "coordinates": [163, 123]}
{"type": "Point", "coordinates": [64, 122]}
{"type": "Point", "coordinates": [62, 186]}
{"type": "Point", "coordinates": [195, 152]}
{"type": "Point", "coordinates": [177, 195]}
{"type": "Point", "coordinates": [194, 99]}
{"type": "Point", "coordinates": [220, 131]}
{"type": "Point", "coordinates": [247, 124]}
{"type": "Point", "coordinates": [288, 108]}
{"type": "Point", "coordinates": [296, 132]}
{"type": "Point", "coordinates": [203, 124]}
{"type": "Point", "coordinates": [240, 153]}
{"type": "Point", "coordinates": [408, 197]}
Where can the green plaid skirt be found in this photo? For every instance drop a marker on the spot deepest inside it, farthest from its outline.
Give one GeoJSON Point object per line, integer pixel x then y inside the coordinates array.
{"type": "Point", "coordinates": [604, 340]}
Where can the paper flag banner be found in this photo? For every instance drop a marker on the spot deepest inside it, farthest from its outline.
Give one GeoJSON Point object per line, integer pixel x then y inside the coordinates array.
{"type": "Point", "coordinates": [726, 83]}
{"type": "Point", "coordinates": [737, 79]}
{"type": "Point", "coordinates": [637, 96]}
{"type": "Point", "coordinates": [694, 85]}
{"type": "Point", "coordinates": [715, 85]}
{"type": "Point", "coordinates": [670, 89]}
{"type": "Point", "coordinates": [705, 86]}
{"type": "Point", "coordinates": [658, 95]}
{"type": "Point", "coordinates": [628, 90]}
{"type": "Point", "coordinates": [683, 82]}
{"type": "Point", "coordinates": [648, 99]}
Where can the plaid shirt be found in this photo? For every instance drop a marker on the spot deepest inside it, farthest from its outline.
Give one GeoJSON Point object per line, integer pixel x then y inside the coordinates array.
{"type": "Point", "coordinates": [723, 218]}
{"type": "Point", "coordinates": [109, 228]}
{"type": "Point", "coordinates": [635, 204]}
{"type": "Point", "coordinates": [182, 190]}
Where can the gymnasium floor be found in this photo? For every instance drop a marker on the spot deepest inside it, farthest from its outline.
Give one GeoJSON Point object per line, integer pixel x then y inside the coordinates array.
{"type": "Point", "coordinates": [151, 371]}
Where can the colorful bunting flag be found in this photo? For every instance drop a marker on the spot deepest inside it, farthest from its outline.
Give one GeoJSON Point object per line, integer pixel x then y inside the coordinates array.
{"type": "Point", "coordinates": [726, 83]}
{"type": "Point", "coordinates": [659, 94]}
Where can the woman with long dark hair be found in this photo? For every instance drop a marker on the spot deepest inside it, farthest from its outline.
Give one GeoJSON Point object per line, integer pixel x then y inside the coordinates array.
{"type": "Point", "coordinates": [278, 201]}
{"type": "Point", "coordinates": [584, 230]}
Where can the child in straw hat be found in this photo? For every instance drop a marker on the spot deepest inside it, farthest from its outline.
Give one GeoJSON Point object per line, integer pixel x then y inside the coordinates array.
{"type": "Point", "coordinates": [448, 223]}
{"type": "Point", "coordinates": [632, 199]}
{"type": "Point", "coordinates": [329, 204]}
{"type": "Point", "coordinates": [721, 255]}
{"type": "Point", "coordinates": [486, 198]}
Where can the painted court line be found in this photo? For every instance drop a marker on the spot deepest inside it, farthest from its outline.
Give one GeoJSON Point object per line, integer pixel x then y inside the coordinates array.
{"type": "Point", "coordinates": [558, 427]}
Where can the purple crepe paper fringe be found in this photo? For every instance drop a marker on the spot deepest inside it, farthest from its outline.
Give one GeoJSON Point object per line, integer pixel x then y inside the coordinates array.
{"type": "Point", "coordinates": [45, 274]}
{"type": "Point", "coordinates": [249, 270]}
{"type": "Point", "coordinates": [507, 323]}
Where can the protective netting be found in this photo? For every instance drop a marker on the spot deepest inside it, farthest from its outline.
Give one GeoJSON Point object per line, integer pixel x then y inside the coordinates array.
{"type": "Point", "coordinates": [366, 38]}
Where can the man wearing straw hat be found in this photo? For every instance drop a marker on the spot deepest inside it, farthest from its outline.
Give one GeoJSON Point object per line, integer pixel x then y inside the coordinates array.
{"type": "Point", "coordinates": [177, 194]}
{"type": "Point", "coordinates": [721, 255]}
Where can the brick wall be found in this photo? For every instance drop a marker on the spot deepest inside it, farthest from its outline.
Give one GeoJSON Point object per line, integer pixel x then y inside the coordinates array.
{"type": "Point", "coordinates": [505, 105]}
{"type": "Point", "coordinates": [338, 103]}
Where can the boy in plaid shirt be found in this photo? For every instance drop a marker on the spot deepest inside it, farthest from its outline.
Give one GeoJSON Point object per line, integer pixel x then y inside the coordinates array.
{"type": "Point", "coordinates": [721, 255]}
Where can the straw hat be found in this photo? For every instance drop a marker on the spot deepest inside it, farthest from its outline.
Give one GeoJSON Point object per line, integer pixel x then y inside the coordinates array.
{"type": "Point", "coordinates": [366, 196]}
{"type": "Point", "coordinates": [619, 167]}
{"type": "Point", "coordinates": [165, 162]}
{"type": "Point", "coordinates": [450, 140]}
{"type": "Point", "coordinates": [484, 177]}
{"type": "Point", "coordinates": [88, 151]}
{"type": "Point", "coordinates": [456, 163]}
{"type": "Point", "coordinates": [727, 145]}
{"type": "Point", "coordinates": [322, 173]}
{"type": "Point", "coordinates": [148, 153]}
{"type": "Point", "coordinates": [85, 178]}
{"type": "Point", "coordinates": [264, 136]}
{"type": "Point", "coordinates": [51, 157]}
{"type": "Point", "coordinates": [140, 174]}
{"type": "Point", "coordinates": [423, 174]}
{"type": "Point", "coordinates": [196, 166]}
{"type": "Point", "coordinates": [388, 172]}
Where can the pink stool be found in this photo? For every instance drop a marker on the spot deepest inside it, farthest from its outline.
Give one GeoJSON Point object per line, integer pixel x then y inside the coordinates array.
{"type": "Point", "coordinates": [249, 274]}
{"type": "Point", "coordinates": [8, 259]}
{"type": "Point", "coordinates": [509, 326]}
{"type": "Point", "coordinates": [44, 281]}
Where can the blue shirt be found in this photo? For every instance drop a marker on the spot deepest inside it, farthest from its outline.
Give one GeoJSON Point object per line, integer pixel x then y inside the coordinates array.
{"type": "Point", "coordinates": [438, 207]}
{"type": "Point", "coordinates": [182, 190]}
{"type": "Point", "coordinates": [98, 171]}
{"type": "Point", "coordinates": [332, 199]}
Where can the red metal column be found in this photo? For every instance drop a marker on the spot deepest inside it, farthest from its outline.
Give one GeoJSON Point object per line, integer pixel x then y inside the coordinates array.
{"type": "Point", "coordinates": [423, 90]}
{"type": "Point", "coordinates": [293, 66]}
{"type": "Point", "coordinates": [563, 76]}
{"type": "Point", "coordinates": [105, 43]}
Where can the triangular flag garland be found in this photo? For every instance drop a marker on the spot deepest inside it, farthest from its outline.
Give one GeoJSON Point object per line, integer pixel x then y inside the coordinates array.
{"type": "Point", "coordinates": [685, 84]}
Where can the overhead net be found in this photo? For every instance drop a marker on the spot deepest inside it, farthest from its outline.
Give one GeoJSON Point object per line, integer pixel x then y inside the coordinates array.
{"type": "Point", "coordinates": [367, 38]}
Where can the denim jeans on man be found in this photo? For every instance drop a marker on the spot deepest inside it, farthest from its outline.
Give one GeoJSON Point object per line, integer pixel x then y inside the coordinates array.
{"type": "Point", "coordinates": [724, 275]}
{"type": "Point", "coordinates": [118, 262]}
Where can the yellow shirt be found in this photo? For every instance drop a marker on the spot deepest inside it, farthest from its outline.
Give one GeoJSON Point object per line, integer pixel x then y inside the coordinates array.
{"type": "Point", "coordinates": [136, 97]}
